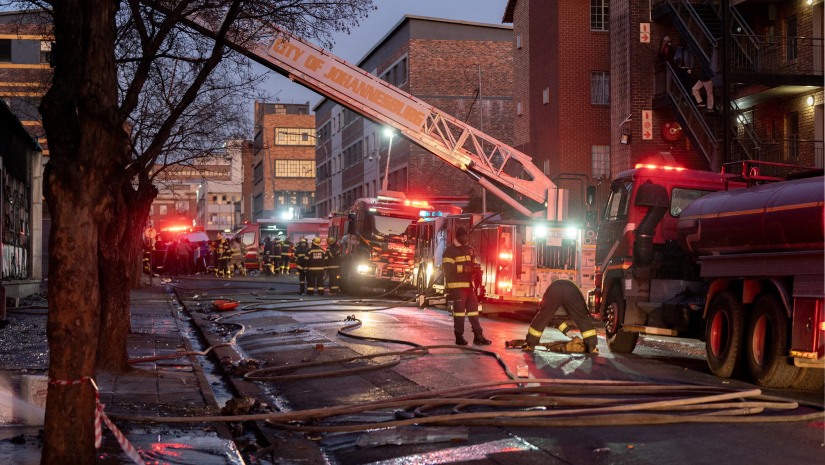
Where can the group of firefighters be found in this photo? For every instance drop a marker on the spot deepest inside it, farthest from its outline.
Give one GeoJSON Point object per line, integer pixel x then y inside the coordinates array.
{"type": "Point", "coordinates": [312, 263]}
{"type": "Point", "coordinates": [461, 271]}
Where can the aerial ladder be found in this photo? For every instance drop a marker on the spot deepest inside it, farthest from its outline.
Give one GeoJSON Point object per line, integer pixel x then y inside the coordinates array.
{"type": "Point", "coordinates": [497, 167]}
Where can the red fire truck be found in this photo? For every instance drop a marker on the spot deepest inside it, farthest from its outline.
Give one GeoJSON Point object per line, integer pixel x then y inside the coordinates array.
{"type": "Point", "coordinates": [377, 239]}
{"type": "Point", "coordinates": [732, 259]}
{"type": "Point", "coordinates": [253, 234]}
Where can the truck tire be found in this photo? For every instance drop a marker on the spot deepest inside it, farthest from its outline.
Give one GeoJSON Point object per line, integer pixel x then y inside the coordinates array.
{"type": "Point", "coordinates": [766, 344]}
{"type": "Point", "coordinates": [421, 285]}
{"type": "Point", "coordinates": [723, 335]}
{"type": "Point", "coordinates": [619, 341]}
{"type": "Point", "coordinates": [809, 379]}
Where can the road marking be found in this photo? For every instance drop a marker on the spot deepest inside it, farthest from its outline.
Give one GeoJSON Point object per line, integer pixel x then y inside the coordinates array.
{"type": "Point", "coordinates": [461, 454]}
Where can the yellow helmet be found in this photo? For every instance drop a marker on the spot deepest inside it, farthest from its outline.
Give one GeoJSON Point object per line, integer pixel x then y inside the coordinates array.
{"type": "Point", "coordinates": [330, 240]}
{"type": "Point", "coordinates": [316, 241]}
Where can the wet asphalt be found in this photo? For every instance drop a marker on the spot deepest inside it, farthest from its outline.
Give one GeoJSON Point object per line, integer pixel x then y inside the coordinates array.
{"type": "Point", "coordinates": [282, 336]}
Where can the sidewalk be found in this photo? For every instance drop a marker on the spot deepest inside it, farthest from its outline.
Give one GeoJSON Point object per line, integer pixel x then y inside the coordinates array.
{"type": "Point", "coordinates": [172, 387]}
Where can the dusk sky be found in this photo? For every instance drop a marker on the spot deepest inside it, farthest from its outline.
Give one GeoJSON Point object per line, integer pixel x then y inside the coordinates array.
{"type": "Point", "coordinates": [352, 47]}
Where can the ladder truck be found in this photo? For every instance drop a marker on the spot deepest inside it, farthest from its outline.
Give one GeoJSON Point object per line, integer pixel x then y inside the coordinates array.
{"type": "Point", "coordinates": [497, 167]}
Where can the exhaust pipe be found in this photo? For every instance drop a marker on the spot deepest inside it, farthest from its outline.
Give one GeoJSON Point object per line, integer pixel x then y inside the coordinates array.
{"type": "Point", "coordinates": [657, 201]}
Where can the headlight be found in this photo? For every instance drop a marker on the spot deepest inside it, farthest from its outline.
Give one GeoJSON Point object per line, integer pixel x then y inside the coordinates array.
{"type": "Point", "coordinates": [363, 268]}
{"type": "Point", "coordinates": [429, 271]}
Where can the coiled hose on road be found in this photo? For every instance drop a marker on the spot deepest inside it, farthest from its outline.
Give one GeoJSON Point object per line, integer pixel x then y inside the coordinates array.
{"type": "Point", "coordinates": [571, 402]}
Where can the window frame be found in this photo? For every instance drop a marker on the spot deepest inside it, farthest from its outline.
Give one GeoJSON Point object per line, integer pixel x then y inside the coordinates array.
{"type": "Point", "coordinates": [600, 150]}
{"type": "Point", "coordinates": [295, 169]}
{"type": "Point", "coordinates": [601, 79]}
{"type": "Point", "coordinates": [599, 15]}
{"type": "Point", "coordinates": [684, 189]}
{"type": "Point", "coordinates": [10, 56]}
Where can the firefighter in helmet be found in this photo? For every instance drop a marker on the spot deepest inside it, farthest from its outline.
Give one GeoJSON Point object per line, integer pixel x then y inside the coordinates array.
{"type": "Point", "coordinates": [315, 268]}
{"type": "Point", "coordinates": [276, 256]}
{"type": "Point", "coordinates": [237, 262]}
{"type": "Point", "coordinates": [562, 293]}
{"type": "Point", "coordinates": [301, 251]}
{"type": "Point", "coordinates": [460, 269]}
{"type": "Point", "coordinates": [266, 254]}
{"type": "Point", "coordinates": [333, 264]}
{"type": "Point", "coordinates": [224, 254]}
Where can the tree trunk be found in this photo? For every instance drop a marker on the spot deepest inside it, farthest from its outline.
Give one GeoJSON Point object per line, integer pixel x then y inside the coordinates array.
{"type": "Point", "coordinates": [120, 247]}
{"type": "Point", "coordinates": [87, 141]}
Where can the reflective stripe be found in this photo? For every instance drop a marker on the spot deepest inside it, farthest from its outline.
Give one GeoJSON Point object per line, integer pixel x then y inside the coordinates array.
{"type": "Point", "coordinates": [334, 266]}
{"type": "Point", "coordinates": [590, 333]}
{"type": "Point", "coordinates": [310, 288]}
{"type": "Point", "coordinates": [302, 282]}
{"type": "Point", "coordinates": [333, 287]}
{"type": "Point", "coordinates": [463, 258]}
{"type": "Point", "coordinates": [533, 332]}
{"type": "Point", "coordinates": [472, 313]}
{"type": "Point", "coordinates": [562, 326]}
{"type": "Point", "coordinates": [447, 260]}
{"type": "Point", "coordinates": [459, 314]}
{"type": "Point", "coordinates": [316, 268]}
{"type": "Point", "coordinates": [457, 285]}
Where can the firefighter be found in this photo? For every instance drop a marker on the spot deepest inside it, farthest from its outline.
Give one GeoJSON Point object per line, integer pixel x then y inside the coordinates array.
{"type": "Point", "coordinates": [333, 264]}
{"type": "Point", "coordinates": [276, 256]}
{"type": "Point", "coordinates": [460, 269]}
{"type": "Point", "coordinates": [267, 256]}
{"type": "Point", "coordinates": [562, 293]}
{"type": "Point", "coordinates": [224, 254]}
{"type": "Point", "coordinates": [238, 258]}
{"type": "Point", "coordinates": [286, 255]}
{"type": "Point", "coordinates": [315, 268]}
{"type": "Point", "coordinates": [301, 251]}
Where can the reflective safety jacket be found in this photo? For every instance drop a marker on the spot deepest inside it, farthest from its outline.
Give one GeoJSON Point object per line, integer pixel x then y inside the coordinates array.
{"type": "Point", "coordinates": [269, 246]}
{"type": "Point", "coordinates": [276, 249]}
{"type": "Point", "coordinates": [301, 251]}
{"type": "Point", "coordinates": [458, 263]}
{"type": "Point", "coordinates": [315, 259]}
{"type": "Point", "coordinates": [332, 257]}
{"type": "Point", "coordinates": [223, 250]}
{"type": "Point", "coordinates": [238, 250]}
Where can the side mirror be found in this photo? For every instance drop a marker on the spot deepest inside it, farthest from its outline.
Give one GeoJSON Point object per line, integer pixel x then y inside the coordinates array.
{"type": "Point", "coordinates": [590, 198]}
{"type": "Point", "coordinates": [590, 217]}
{"type": "Point", "coordinates": [351, 216]}
{"type": "Point", "coordinates": [351, 226]}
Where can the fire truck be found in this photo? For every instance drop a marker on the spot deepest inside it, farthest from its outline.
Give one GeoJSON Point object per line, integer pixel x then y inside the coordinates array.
{"type": "Point", "coordinates": [377, 240]}
{"type": "Point", "coordinates": [253, 234]}
{"type": "Point", "coordinates": [733, 259]}
{"type": "Point", "coordinates": [519, 259]}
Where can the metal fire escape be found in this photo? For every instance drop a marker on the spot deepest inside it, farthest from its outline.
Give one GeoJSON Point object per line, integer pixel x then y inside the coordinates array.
{"type": "Point", "coordinates": [701, 26]}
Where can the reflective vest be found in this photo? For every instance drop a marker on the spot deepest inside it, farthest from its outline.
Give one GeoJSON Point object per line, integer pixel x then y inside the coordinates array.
{"type": "Point", "coordinates": [458, 264]}
{"type": "Point", "coordinates": [333, 257]}
{"type": "Point", "coordinates": [315, 259]}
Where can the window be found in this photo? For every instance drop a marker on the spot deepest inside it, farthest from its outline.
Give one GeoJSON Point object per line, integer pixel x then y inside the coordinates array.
{"type": "Point", "coordinates": [792, 131]}
{"type": "Point", "coordinates": [518, 109]}
{"type": "Point", "coordinates": [600, 160]}
{"type": "Point", "coordinates": [599, 15]}
{"type": "Point", "coordinates": [258, 173]}
{"type": "Point", "coordinates": [162, 209]}
{"type": "Point", "coordinates": [397, 73]}
{"type": "Point", "coordinates": [681, 198]}
{"type": "Point", "coordinates": [249, 239]}
{"type": "Point", "coordinates": [600, 88]}
{"type": "Point", "coordinates": [545, 95]}
{"type": "Point", "coordinates": [280, 200]}
{"type": "Point", "coordinates": [294, 169]}
{"type": "Point", "coordinates": [294, 136]}
{"type": "Point", "coordinates": [547, 167]}
{"type": "Point", "coordinates": [791, 32]}
{"type": "Point", "coordinates": [617, 204]}
{"type": "Point", "coordinates": [349, 116]}
{"type": "Point", "coordinates": [5, 50]}
{"type": "Point", "coordinates": [45, 51]}
{"type": "Point", "coordinates": [354, 153]}
{"type": "Point", "coordinates": [518, 41]}
{"type": "Point", "coordinates": [182, 206]}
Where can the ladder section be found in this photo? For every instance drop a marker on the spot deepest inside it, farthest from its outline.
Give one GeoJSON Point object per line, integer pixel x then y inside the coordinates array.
{"type": "Point", "coordinates": [491, 162]}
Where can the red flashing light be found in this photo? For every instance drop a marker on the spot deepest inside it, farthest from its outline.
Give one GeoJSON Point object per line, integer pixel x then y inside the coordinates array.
{"type": "Point", "coordinates": [676, 168]}
{"type": "Point", "coordinates": [503, 284]}
{"type": "Point", "coordinates": [506, 256]}
{"type": "Point", "coordinates": [416, 203]}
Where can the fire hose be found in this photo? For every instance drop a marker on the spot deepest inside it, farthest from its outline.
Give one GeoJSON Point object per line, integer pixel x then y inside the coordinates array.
{"type": "Point", "coordinates": [571, 401]}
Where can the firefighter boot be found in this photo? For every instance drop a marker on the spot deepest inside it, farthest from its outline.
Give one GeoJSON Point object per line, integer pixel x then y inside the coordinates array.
{"type": "Point", "coordinates": [459, 339]}
{"type": "Point", "coordinates": [590, 342]}
{"type": "Point", "coordinates": [564, 328]}
{"type": "Point", "coordinates": [243, 271]}
{"type": "Point", "coordinates": [479, 339]}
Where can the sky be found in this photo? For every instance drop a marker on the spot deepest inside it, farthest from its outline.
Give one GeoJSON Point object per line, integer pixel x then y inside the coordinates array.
{"type": "Point", "coordinates": [352, 47]}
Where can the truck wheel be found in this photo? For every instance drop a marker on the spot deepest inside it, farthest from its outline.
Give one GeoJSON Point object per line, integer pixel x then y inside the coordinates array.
{"type": "Point", "coordinates": [809, 379]}
{"type": "Point", "coordinates": [766, 344]}
{"type": "Point", "coordinates": [723, 335]}
{"type": "Point", "coordinates": [619, 341]}
{"type": "Point", "coordinates": [354, 287]}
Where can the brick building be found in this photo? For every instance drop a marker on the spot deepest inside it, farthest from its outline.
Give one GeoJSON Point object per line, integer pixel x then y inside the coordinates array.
{"type": "Point", "coordinates": [283, 163]}
{"type": "Point", "coordinates": [768, 87]}
{"type": "Point", "coordinates": [562, 89]}
{"type": "Point", "coordinates": [436, 60]}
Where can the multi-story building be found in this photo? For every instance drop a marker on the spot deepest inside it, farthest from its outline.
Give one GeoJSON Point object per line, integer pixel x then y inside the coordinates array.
{"type": "Point", "coordinates": [441, 62]}
{"type": "Point", "coordinates": [767, 75]}
{"type": "Point", "coordinates": [283, 164]}
{"type": "Point", "coordinates": [223, 204]}
{"type": "Point", "coordinates": [562, 91]}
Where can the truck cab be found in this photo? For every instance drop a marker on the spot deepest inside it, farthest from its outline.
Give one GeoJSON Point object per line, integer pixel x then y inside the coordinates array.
{"type": "Point", "coordinates": [379, 245]}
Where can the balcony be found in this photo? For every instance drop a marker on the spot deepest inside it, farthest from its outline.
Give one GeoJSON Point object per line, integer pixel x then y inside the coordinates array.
{"type": "Point", "coordinates": [775, 61]}
{"type": "Point", "coordinates": [792, 151]}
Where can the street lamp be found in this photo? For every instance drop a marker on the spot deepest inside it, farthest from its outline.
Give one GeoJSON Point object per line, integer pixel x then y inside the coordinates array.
{"type": "Point", "coordinates": [389, 133]}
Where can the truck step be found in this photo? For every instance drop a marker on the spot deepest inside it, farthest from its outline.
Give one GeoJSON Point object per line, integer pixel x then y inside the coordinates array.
{"type": "Point", "coordinates": [649, 330]}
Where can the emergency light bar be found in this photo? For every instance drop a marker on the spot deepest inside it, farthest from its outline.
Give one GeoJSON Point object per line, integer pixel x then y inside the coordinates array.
{"type": "Point", "coordinates": [640, 165]}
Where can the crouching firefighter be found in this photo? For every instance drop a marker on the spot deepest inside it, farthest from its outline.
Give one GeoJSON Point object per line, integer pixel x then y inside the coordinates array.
{"type": "Point", "coordinates": [459, 266]}
{"type": "Point", "coordinates": [562, 293]}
